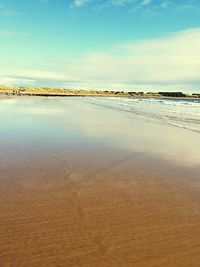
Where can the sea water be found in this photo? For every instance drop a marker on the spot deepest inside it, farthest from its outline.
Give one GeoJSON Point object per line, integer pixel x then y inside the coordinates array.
{"type": "Point", "coordinates": [183, 113]}
{"type": "Point", "coordinates": [162, 128]}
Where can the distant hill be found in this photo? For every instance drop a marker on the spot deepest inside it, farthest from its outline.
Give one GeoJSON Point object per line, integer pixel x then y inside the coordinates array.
{"type": "Point", "coordinates": [45, 91]}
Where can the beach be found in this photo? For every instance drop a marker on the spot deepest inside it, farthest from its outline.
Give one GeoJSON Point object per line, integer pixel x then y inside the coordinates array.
{"type": "Point", "coordinates": [99, 182]}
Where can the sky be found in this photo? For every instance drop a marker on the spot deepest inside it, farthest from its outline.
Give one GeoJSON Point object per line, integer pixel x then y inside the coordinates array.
{"type": "Point", "coordinates": [130, 45]}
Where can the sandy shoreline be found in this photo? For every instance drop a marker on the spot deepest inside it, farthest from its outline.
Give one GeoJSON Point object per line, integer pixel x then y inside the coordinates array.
{"type": "Point", "coordinates": [78, 193]}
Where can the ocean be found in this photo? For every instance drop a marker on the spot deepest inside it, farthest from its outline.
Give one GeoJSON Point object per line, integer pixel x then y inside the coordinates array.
{"type": "Point", "coordinates": [182, 113]}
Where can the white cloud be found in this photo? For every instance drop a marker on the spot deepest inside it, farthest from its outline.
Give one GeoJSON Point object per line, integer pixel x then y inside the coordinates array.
{"type": "Point", "coordinates": [11, 33]}
{"type": "Point", "coordinates": [5, 33]}
{"type": "Point", "coordinates": [118, 2]}
{"type": "Point", "coordinates": [14, 81]}
{"type": "Point", "coordinates": [79, 3]}
{"type": "Point", "coordinates": [37, 74]}
{"type": "Point", "coordinates": [146, 2]}
{"type": "Point", "coordinates": [171, 62]}
{"type": "Point", "coordinates": [165, 4]}
{"type": "Point", "coordinates": [142, 4]}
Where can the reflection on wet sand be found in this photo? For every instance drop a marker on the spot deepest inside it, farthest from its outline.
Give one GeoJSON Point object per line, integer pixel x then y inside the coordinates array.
{"type": "Point", "coordinates": [73, 199]}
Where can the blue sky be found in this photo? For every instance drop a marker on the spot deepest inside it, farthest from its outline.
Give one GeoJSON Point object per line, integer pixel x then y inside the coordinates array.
{"type": "Point", "coordinates": [113, 44]}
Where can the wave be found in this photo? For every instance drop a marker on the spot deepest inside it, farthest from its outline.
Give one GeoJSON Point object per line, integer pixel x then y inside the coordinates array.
{"type": "Point", "coordinates": [182, 113]}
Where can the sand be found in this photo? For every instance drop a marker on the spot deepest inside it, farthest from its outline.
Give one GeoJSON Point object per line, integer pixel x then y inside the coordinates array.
{"type": "Point", "coordinates": [129, 211]}
{"type": "Point", "coordinates": [70, 201]}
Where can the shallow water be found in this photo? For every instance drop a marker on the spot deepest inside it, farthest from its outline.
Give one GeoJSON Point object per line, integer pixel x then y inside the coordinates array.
{"type": "Point", "coordinates": [166, 128]}
{"type": "Point", "coordinates": [183, 113]}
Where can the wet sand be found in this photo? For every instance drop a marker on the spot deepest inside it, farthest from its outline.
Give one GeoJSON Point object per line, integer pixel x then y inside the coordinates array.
{"type": "Point", "coordinates": [88, 204]}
